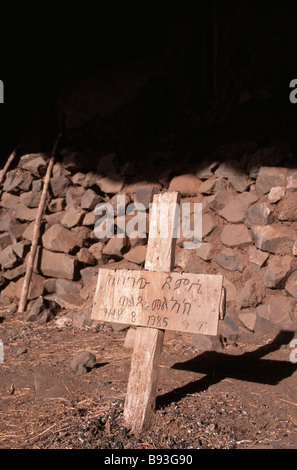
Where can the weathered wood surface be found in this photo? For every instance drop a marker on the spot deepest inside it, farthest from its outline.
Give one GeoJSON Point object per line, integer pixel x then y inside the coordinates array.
{"type": "Point", "coordinates": [142, 384]}
{"type": "Point", "coordinates": [171, 301]}
{"type": "Point", "coordinates": [154, 300]}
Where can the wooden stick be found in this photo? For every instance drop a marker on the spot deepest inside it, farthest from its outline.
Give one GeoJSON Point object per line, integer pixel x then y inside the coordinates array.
{"type": "Point", "coordinates": [7, 165]}
{"type": "Point", "coordinates": [141, 390]}
{"type": "Point", "coordinates": [36, 231]}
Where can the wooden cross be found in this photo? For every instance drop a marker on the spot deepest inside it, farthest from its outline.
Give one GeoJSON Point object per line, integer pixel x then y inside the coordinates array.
{"type": "Point", "coordinates": [154, 300]}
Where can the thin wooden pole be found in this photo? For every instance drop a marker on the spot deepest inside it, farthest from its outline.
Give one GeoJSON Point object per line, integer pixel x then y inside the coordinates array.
{"type": "Point", "coordinates": [7, 165]}
{"type": "Point", "coordinates": [36, 231]}
{"type": "Point", "coordinates": [142, 383]}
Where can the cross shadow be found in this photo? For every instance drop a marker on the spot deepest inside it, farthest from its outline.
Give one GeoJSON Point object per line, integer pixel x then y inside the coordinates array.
{"type": "Point", "coordinates": [248, 367]}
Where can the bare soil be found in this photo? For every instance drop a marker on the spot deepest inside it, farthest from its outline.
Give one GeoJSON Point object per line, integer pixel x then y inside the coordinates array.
{"type": "Point", "coordinates": [238, 396]}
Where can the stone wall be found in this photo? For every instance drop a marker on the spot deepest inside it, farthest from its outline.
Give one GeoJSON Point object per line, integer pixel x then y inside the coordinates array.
{"type": "Point", "coordinates": [249, 232]}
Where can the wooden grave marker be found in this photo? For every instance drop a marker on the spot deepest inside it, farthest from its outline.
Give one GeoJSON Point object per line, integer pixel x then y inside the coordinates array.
{"type": "Point", "coordinates": [155, 300]}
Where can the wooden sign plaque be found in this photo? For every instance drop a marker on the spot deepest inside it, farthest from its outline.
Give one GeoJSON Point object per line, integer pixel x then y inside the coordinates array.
{"type": "Point", "coordinates": [184, 302]}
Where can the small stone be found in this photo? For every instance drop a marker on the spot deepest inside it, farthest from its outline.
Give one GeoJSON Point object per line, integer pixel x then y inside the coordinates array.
{"type": "Point", "coordinates": [208, 224]}
{"type": "Point", "coordinates": [59, 170]}
{"type": "Point", "coordinates": [28, 232]}
{"type": "Point", "coordinates": [287, 208]}
{"type": "Point", "coordinates": [56, 205]}
{"type": "Point", "coordinates": [292, 182]}
{"type": "Point", "coordinates": [235, 175]}
{"type": "Point", "coordinates": [259, 214]}
{"type": "Point", "coordinates": [14, 273]}
{"type": "Point", "coordinates": [9, 201]}
{"type": "Point", "coordinates": [248, 197]}
{"type": "Point", "coordinates": [273, 240]}
{"type": "Point", "coordinates": [257, 257]}
{"type": "Point", "coordinates": [45, 317]}
{"type": "Point", "coordinates": [54, 218]}
{"type": "Point", "coordinates": [228, 260]}
{"type": "Point", "coordinates": [229, 328]}
{"type": "Point", "coordinates": [205, 251]}
{"type": "Point", "coordinates": [119, 203]}
{"type": "Point", "coordinates": [201, 342]}
{"type": "Point", "coordinates": [31, 199]}
{"type": "Point", "coordinates": [14, 288]}
{"type": "Point", "coordinates": [37, 185]}
{"type": "Point", "coordinates": [137, 254]}
{"type": "Point", "coordinates": [96, 250]}
{"type": "Point", "coordinates": [83, 362]}
{"type": "Point", "coordinates": [236, 236]}
{"type": "Point", "coordinates": [82, 236]}
{"type": "Point", "coordinates": [49, 285]}
{"type": "Point", "coordinates": [85, 257]}
{"type": "Point", "coordinates": [59, 185]}
{"type": "Point", "coordinates": [88, 275]}
{"type": "Point", "coordinates": [59, 265]}
{"type": "Point", "coordinates": [234, 211]}
{"type": "Point", "coordinates": [10, 309]}
{"type": "Point", "coordinates": [21, 248]}
{"type": "Point", "coordinates": [72, 217]}
{"type": "Point", "coordinates": [5, 240]}
{"type": "Point", "coordinates": [73, 196]}
{"type": "Point", "coordinates": [90, 219]}
{"type": "Point", "coordinates": [145, 195]}
{"type": "Point", "coordinates": [35, 163]}
{"type": "Point", "coordinates": [212, 186]}
{"type": "Point", "coordinates": [64, 287]}
{"type": "Point", "coordinates": [18, 181]}
{"type": "Point", "coordinates": [90, 199]}
{"type": "Point", "coordinates": [219, 200]}
{"type": "Point", "coordinates": [115, 247]}
{"type": "Point", "coordinates": [90, 179]}
{"type": "Point", "coordinates": [187, 185]}
{"type": "Point", "coordinates": [276, 194]}
{"type": "Point", "coordinates": [277, 309]}
{"type": "Point", "coordinates": [277, 271]}
{"type": "Point", "coordinates": [58, 238]}
{"type": "Point", "coordinates": [251, 294]}
{"type": "Point", "coordinates": [8, 258]}
{"type": "Point", "coordinates": [21, 350]}
{"type": "Point", "coordinates": [23, 212]}
{"type": "Point", "coordinates": [111, 184]}
{"type": "Point", "coordinates": [38, 307]}
{"type": "Point", "coordinates": [78, 178]}
{"type": "Point", "coordinates": [291, 284]}
{"type": "Point", "coordinates": [248, 319]}
{"type": "Point", "coordinates": [14, 228]}
{"type": "Point", "coordinates": [269, 177]}
{"type": "Point", "coordinates": [78, 320]}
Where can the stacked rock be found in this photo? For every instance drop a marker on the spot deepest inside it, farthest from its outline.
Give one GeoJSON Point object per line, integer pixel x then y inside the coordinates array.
{"type": "Point", "coordinates": [249, 233]}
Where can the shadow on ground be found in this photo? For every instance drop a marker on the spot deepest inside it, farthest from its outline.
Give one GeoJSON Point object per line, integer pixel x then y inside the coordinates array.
{"type": "Point", "coordinates": [250, 367]}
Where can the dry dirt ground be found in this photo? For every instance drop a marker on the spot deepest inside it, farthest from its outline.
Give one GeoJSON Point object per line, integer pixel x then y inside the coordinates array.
{"type": "Point", "coordinates": [239, 396]}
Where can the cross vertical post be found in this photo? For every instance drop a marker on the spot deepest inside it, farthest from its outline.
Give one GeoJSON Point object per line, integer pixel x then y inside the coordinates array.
{"type": "Point", "coordinates": [142, 383]}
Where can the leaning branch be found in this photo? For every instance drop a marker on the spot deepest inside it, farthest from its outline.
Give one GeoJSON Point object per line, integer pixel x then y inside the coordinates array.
{"type": "Point", "coordinates": [36, 231]}
{"type": "Point", "coordinates": [6, 166]}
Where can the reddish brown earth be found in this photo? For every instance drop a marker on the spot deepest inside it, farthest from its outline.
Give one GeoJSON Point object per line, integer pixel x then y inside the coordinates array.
{"type": "Point", "coordinates": [238, 396]}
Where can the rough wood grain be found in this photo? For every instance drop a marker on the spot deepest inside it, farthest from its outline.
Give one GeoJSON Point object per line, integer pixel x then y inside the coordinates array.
{"type": "Point", "coordinates": [185, 302]}
{"type": "Point", "coordinates": [141, 390]}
